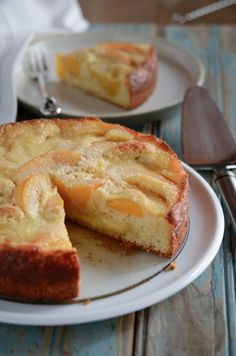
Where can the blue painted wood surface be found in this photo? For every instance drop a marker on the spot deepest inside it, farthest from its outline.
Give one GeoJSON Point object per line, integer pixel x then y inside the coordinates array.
{"type": "Point", "coordinates": [200, 320]}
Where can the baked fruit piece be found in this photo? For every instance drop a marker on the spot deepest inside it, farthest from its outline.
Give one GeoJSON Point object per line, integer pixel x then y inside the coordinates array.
{"type": "Point", "coordinates": [120, 73]}
{"type": "Point", "coordinates": [113, 180]}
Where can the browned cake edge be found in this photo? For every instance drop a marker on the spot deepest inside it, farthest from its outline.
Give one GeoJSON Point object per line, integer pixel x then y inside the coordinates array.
{"type": "Point", "coordinates": [31, 274]}
{"type": "Point", "coordinates": [142, 81]}
{"type": "Point", "coordinates": [179, 219]}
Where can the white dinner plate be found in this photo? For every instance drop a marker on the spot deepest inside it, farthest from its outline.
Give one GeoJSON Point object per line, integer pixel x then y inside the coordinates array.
{"type": "Point", "coordinates": [177, 70]}
{"type": "Point", "coordinates": [119, 283]}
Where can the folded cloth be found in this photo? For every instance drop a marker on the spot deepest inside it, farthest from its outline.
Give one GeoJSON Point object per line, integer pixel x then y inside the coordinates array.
{"type": "Point", "coordinates": [18, 21]}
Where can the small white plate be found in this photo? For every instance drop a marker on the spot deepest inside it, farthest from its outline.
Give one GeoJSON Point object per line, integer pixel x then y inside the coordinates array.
{"type": "Point", "coordinates": [105, 271]}
{"type": "Point", "coordinates": [177, 70]}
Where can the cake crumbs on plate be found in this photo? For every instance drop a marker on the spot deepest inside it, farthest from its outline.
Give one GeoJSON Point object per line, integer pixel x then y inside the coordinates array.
{"type": "Point", "coordinates": [87, 301]}
{"type": "Point", "coordinates": [171, 266]}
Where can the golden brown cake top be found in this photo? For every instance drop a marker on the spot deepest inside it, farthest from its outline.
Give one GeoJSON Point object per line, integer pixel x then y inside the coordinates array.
{"type": "Point", "coordinates": [136, 173]}
{"type": "Point", "coordinates": [115, 57]}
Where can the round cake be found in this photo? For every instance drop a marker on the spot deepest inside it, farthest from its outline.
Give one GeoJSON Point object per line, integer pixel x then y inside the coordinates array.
{"type": "Point", "coordinates": [113, 180]}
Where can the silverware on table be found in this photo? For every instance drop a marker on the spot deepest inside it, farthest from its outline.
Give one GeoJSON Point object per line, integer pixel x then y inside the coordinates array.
{"type": "Point", "coordinates": [202, 11]}
{"type": "Point", "coordinates": [208, 144]}
{"type": "Point", "coordinates": [37, 68]}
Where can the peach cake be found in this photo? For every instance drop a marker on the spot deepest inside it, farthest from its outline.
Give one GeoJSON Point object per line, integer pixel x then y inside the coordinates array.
{"type": "Point", "coordinates": [123, 74]}
{"type": "Point", "coordinates": [113, 180]}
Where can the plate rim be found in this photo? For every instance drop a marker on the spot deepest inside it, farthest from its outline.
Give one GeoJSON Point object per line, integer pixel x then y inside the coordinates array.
{"type": "Point", "coordinates": [126, 114]}
{"type": "Point", "coordinates": [140, 302]}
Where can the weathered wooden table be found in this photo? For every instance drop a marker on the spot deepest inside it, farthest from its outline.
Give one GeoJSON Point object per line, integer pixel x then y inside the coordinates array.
{"type": "Point", "coordinates": [199, 320]}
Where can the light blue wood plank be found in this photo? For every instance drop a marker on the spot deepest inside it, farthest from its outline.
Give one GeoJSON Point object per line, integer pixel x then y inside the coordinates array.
{"type": "Point", "coordinates": [142, 29]}
{"type": "Point", "coordinates": [193, 42]}
{"type": "Point", "coordinates": [88, 339]}
{"type": "Point", "coordinates": [97, 338]}
{"type": "Point", "coordinates": [170, 131]}
{"type": "Point", "coordinates": [209, 302]}
{"type": "Point", "coordinates": [229, 68]}
{"type": "Point", "coordinates": [214, 69]}
{"type": "Point", "coordinates": [18, 340]}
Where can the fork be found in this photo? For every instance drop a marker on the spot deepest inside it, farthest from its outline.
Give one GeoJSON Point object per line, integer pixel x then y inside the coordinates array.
{"type": "Point", "coordinates": [37, 68]}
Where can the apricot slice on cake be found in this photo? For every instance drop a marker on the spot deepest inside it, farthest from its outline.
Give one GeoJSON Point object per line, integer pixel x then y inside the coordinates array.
{"type": "Point", "coordinates": [47, 162]}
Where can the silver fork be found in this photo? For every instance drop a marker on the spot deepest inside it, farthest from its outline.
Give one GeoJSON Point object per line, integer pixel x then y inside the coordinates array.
{"type": "Point", "coordinates": [37, 68]}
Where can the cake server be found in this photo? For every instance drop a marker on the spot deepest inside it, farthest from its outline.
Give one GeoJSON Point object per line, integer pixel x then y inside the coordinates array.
{"type": "Point", "coordinates": [208, 144]}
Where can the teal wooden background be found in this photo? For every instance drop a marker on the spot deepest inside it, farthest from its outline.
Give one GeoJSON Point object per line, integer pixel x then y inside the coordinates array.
{"type": "Point", "coordinates": [199, 320]}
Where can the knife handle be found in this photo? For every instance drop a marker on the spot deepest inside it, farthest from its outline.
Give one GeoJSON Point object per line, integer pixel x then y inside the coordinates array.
{"type": "Point", "coordinates": [226, 184]}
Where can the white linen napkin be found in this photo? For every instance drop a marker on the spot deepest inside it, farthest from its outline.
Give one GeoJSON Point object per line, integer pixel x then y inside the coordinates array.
{"type": "Point", "coordinates": [18, 21]}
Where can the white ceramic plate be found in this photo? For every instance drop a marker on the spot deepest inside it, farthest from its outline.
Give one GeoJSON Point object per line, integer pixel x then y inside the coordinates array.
{"type": "Point", "coordinates": [105, 271]}
{"type": "Point", "coordinates": [177, 70]}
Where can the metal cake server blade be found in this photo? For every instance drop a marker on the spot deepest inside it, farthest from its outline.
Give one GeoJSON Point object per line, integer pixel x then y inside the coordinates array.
{"type": "Point", "coordinates": [208, 144]}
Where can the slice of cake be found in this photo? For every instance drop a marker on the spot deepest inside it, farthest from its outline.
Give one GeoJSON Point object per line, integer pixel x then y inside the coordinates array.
{"type": "Point", "coordinates": [37, 260]}
{"type": "Point", "coordinates": [113, 180]}
{"type": "Point", "coordinates": [120, 73]}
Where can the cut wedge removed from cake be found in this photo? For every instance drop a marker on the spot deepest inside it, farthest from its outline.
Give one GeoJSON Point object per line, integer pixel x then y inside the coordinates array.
{"type": "Point", "coordinates": [113, 180]}
{"type": "Point", "coordinates": [123, 74]}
